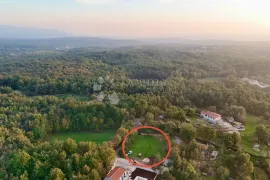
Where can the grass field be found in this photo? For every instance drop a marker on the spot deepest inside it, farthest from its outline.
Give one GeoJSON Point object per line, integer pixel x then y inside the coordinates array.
{"type": "Point", "coordinates": [248, 135]}
{"type": "Point", "coordinates": [84, 136]}
{"type": "Point", "coordinates": [148, 146]}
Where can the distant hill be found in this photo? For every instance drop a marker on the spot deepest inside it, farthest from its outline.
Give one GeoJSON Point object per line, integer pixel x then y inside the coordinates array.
{"type": "Point", "coordinates": [66, 43]}
{"type": "Point", "coordinates": [12, 32]}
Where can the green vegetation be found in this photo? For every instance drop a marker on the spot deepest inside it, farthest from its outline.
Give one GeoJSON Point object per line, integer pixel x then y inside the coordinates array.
{"type": "Point", "coordinates": [248, 138]}
{"type": "Point", "coordinates": [209, 178]}
{"type": "Point", "coordinates": [211, 79]}
{"type": "Point", "coordinates": [149, 81]}
{"type": "Point", "coordinates": [84, 136]}
{"type": "Point", "coordinates": [78, 97]}
{"type": "Point", "coordinates": [148, 146]}
{"type": "Point", "coordinates": [261, 175]}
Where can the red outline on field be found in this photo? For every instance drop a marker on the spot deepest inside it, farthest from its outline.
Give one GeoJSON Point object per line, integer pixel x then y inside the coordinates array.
{"type": "Point", "coordinates": [146, 127]}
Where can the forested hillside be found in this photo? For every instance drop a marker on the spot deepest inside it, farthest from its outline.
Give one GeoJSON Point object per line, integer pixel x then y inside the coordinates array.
{"type": "Point", "coordinates": [175, 81]}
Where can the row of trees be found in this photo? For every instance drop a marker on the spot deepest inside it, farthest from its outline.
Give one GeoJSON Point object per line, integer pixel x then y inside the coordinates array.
{"type": "Point", "coordinates": [41, 116]}
{"type": "Point", "coordinates": [52, 160]}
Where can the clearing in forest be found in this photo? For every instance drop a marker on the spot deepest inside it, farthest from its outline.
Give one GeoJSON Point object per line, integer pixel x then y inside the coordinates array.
{"type": "Point", "coordinates": [148, 146]}
{"type": "Point", "coordinates": [84, 136]}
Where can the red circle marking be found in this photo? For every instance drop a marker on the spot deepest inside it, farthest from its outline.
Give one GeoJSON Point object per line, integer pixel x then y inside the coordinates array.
{"type": "Point", "coordinates": [146, 127]}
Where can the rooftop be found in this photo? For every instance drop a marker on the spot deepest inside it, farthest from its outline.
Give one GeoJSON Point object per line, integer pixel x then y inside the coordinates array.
{"type": "Point", "coordinates": [211, 114]}
{"type": "Point", "coordinates": [144, 174]}
{"type": "Point", "coordinates": [116, 173]}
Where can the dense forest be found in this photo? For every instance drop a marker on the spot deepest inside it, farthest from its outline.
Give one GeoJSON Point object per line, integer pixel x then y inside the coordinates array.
{"type": "Point", "coordinates": [174, 80]}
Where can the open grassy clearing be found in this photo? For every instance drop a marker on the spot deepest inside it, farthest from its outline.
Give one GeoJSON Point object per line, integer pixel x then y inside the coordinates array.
{"type": "Point", "coordinates": [84, 136]}
{"type": "Point", "coordinates": [248, 135]}
{"type": "Point", "coordinates": [148, 146]}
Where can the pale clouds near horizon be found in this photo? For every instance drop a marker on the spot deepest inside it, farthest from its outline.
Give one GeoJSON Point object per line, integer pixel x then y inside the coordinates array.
{"type": "Point", "coordinates": [112, 1]}
{"type": "Point", "coordinates": [142, 18]}
{"type": "Point", "coordinates": [95, 1]}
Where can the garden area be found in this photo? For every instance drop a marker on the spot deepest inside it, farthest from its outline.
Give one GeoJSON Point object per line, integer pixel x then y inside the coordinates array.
{"type": "Point", "coordinates": [84, 136]}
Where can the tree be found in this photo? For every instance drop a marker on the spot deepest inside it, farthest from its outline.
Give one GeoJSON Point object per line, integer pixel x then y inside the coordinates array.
{"type": "Point", "coordinates": [187, 172]}
{"type": "Point", "coordinates": [167, 176]}
{"type": "Point", "coordinates": [24, 176]}
{"type": "Point", "coordinates": [85, 169]}
{"type": "Point", "coordinates": [56, 174]}
{"type": "Point", "coordinates": [158, 157]}
{"type": "Point", "coordinates": [205, 133]}
{"type": "Point", "coordinates": [95, 175]}
{"type": "Point", "coordinates": [62, 156]}
{"type": "Point", "coordinates": [20, 162]}
{"type": "Point", "coordinates": [244, 165]}
{"type": "Point", "coordinates": [212, 108]}
{"type": "Point", "coordinates": [262, 134]}
{"type": "Point", "coordinates": [70, 146]}
{"type": "Point", "coordinates": [187, 132]}
{"type": "Point", "coordinates": [231, 140]}
{"type": "Point", "coordinates": [116, 140]}
{"type": "Point", "coordinates": [177, 161]}
{"type": "Point", "coordinates": [237, 112]}
{"type": "Point", "coordinates": [181, 115]}
{"type": "Point", "coordinates": [122, 132]}
{"type": "Point", "coordinates": [222, 173]}
{"type": "Point", "coordinates": [149, 117]}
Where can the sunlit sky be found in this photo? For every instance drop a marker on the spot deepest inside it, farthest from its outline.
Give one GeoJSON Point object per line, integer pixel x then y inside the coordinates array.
{"type": "Point", "coordinates": [142, 18]}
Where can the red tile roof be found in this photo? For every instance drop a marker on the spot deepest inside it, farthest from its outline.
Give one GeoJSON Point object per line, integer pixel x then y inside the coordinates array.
{"type": "Point", "coordinates": [211, 114]}
{"type": "Point", "coordinates": [116, 173]}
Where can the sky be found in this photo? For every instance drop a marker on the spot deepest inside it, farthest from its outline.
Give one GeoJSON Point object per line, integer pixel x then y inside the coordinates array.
{"type": "Point", "coordinates": [227, 19]}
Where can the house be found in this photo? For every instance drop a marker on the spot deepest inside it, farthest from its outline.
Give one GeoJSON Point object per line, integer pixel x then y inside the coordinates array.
{"type": "Point", "coordinates": [118, 173]}
{"type": "Point", "coordinates": [143, 174]}
{"type": "Point", "coordinates": [212, 117]}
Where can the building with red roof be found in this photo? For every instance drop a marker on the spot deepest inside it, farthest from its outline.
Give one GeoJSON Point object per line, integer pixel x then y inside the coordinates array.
{"type": "Point", "coordinates": [117, 173]}
{"type": "Point", "coordinates": [212, 117]}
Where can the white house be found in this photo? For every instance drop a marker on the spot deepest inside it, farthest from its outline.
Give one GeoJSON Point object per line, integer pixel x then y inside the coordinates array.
{"type": "Point", "coordinates": [212, 117]}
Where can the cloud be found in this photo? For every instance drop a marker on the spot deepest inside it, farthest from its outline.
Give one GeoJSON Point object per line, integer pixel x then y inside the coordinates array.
{"type": "Point", "coordinates": [166, 1]}
{"type": "Point", "coordinates": [95, 1]}
{"type": "Point", "coordinates": [111, 1]}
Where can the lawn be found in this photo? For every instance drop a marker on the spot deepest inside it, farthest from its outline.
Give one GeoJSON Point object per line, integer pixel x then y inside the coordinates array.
{"type": "Point", "coordinates": [248, 135]}
{"type": "Point", "coordinates": [148, 146]}
{"type": "Point", "coordinates": [84, 136]}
